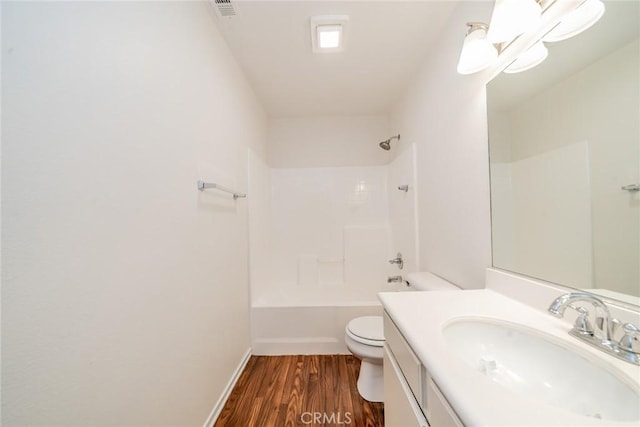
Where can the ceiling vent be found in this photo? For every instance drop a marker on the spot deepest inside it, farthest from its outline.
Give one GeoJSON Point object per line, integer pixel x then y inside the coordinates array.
{"type": "Point", "coordinates": [328, 33]}
{"type": "Point", "coordinates": [224, 8]}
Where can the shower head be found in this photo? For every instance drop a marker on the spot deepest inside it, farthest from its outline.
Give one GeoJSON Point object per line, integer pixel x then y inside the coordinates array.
{"type": "Point", "coordinates": [386, 145]}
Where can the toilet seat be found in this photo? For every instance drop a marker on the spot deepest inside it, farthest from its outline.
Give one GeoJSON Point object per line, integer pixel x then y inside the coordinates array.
{"type": "Point", "coordinates": [366, 330]}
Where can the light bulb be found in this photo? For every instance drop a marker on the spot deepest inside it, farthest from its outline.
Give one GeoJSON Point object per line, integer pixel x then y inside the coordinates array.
{"type": "Point", "coordinates": [477, 52]}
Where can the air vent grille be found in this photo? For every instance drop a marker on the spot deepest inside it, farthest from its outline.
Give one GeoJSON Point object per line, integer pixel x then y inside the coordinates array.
{"type": "Point", "coordinates": [224, 7]}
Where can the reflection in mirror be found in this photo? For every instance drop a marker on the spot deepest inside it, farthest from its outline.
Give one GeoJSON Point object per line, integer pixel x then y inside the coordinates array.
{"type": "Point", "coordinates": [564, 139]}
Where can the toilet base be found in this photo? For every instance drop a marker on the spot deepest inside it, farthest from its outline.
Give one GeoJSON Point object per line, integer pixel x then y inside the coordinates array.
{"type": "Point", "coordinates": [371, 381]}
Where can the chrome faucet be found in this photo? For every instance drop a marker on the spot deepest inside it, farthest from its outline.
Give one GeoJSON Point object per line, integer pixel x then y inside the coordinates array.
{"type": "Point", "coordinates": [397, 260]}
{"type": "Point", "coordinates": [602, 336]}
{"type": "Point", "coordinates": [395, 279]}
{"type": "Point", "coordinates": [604, 328]}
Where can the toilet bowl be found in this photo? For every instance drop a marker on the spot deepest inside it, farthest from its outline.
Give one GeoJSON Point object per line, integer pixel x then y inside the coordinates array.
{"type": "Point", "coordinates": [365, 338]}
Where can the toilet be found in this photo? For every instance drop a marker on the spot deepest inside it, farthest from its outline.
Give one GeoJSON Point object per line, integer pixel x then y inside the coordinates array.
{"type": "Point", "coordinates": [364, 338]}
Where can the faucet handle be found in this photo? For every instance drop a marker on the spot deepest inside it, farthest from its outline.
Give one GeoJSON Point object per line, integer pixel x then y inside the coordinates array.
{"type": "Point", "coordinates": [397, 260]}
{"type": "Point", "coordinates": [582, 323]}
{"type": "Point", "coordinates": [631, 338]}
{"type": "Point", "coordinates": [615, 325]}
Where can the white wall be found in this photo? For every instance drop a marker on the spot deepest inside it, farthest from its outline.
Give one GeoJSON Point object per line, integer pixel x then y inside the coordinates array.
{"type": "Point", "coordinates": [125, 290]}
{"type": "Point", "coordinates": [328, 141]}
{"type": "Point", "coordinates": [444, 114]}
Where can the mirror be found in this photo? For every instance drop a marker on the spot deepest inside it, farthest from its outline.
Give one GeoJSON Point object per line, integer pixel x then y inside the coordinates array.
{"type": "Point", "coordinates": [564, 138]}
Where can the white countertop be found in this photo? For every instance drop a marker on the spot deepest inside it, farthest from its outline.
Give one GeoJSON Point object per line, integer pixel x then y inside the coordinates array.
{"type": "Point", "coordinates": [421, 317]}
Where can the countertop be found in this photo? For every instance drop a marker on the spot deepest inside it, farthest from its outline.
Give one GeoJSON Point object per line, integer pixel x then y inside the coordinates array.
{"type": "Point", "coordinates": [421, 317]}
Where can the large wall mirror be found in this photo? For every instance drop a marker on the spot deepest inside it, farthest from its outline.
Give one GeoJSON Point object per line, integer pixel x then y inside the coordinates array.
{"type": "Point", "coordinates": [564, 139]}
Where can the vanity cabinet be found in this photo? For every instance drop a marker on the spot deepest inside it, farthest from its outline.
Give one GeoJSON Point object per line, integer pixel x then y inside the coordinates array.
{"type": "Point", "coordinates": [411, 397]}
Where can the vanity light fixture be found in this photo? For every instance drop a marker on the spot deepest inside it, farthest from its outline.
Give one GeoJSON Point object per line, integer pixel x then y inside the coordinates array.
{"type": "Point", "coordinates": [328, 33]}
{"type": "Point", "coordinates": [477, 51]}
{"type": "Point", "coordinates": [510, 18]}
{"type": "Point", "coordinates": [583, 17]}
{"type": "Point", "coordinates": [528, 59]}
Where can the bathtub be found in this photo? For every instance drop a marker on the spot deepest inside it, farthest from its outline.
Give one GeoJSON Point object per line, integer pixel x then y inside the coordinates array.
{"type": "Point", "coordinates": [307, 320]}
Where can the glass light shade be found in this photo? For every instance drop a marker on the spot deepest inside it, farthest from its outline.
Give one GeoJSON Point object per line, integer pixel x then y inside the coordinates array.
{"type": "Point", "coordinates": [477, 52]}
{"type": "Point", "coordinates": [528, 59]}
{"type": "Point", "coordinates": [511, 18]}
{"type": "Point", "coordinates": [587, 14]}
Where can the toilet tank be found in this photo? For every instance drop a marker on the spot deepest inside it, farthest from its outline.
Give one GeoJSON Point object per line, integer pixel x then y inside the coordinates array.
{"type": "Point", "coordinates": [425, 281]}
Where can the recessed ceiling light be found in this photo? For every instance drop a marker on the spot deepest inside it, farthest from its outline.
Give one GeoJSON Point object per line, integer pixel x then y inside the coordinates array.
{"type": "Point", "coordinates": [328, 33]}
{"type": "Point", "coordinates": [329, 36]}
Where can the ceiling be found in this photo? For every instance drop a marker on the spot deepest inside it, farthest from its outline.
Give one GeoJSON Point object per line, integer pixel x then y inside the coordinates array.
{"type": "Point", "coordinates": [387, 42]}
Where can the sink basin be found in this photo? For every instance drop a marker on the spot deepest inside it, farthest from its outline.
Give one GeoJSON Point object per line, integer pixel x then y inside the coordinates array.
{"type": "Point", "coordinates": [538, 366]}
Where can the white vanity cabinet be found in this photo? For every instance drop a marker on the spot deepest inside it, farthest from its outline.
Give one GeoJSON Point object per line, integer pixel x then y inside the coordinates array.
{"type": "Point", "coordinates": [411, 398]}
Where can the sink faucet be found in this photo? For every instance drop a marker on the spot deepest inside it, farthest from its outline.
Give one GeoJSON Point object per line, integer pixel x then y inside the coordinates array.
{"type": "Point", "coordinates": [602, 336]}
{"type": "Point", "coordinates": [604, 325]}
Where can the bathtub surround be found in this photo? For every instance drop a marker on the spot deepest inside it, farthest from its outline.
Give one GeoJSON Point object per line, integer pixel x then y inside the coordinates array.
{"type": "Point", "coordinates": [327, 235]}
{"type": "Point", "coordinates": [320, 231]}
{"type": "Point", "coordinates": [123, 287]}
{"type": "Point", "coordinates": [327, 246]}
{"type": "Point", "coordinates": [403, 208]}
{"type": "Point", "coordinates": [330, 227]}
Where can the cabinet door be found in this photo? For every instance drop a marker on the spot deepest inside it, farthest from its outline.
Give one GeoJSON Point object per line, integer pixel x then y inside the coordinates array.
{"type": "Point", "coordinates": [400, 407]}
{"type": "Point", "coordinates": [404, 356]}
{"type": "Point", "coordinates": [440, 412]}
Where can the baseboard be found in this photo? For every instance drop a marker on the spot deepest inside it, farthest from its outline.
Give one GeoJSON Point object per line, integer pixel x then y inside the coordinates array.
{"type": "Point", "coordinates": [217, 408]}
{"type": "Point", "coordinates": [293, 346]}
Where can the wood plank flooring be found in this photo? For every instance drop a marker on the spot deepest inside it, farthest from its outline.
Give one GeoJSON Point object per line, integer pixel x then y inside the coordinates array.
{"type": "Point", "coordinates": [288, 391]}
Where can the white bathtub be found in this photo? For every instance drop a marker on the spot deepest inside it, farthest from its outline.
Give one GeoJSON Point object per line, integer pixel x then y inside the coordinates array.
{"type": "Point", "coordinates": [299, 320]}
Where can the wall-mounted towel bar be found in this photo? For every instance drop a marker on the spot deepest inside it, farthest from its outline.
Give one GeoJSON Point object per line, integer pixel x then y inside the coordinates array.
{"type": "Point", "coordinates": [204, 185]}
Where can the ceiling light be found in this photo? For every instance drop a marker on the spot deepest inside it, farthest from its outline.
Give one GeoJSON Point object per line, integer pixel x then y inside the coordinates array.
{"type": "Point", "coordinates": [328, 33]}
{"type": "Point", "coordinates": [583, 17]}
{"type": "Point", "coordinates": [511, 18]}
{"type": "Point", "coordinates": [477, 52]}
{"type": "Point", "coordinates": [329, 36]}
{"type": "Point", "coordinates": [528, 59]}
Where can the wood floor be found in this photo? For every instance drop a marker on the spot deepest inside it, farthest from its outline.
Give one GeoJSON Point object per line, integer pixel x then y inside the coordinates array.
{"type": "Point", "coordinates": [287, 391]}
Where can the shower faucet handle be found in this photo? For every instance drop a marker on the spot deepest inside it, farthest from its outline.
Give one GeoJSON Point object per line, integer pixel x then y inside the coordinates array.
{"type": "Point", "coordinates": [397, 260]}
